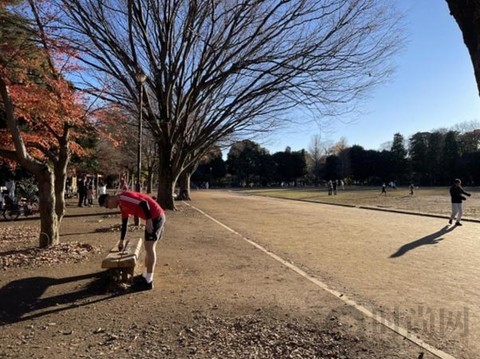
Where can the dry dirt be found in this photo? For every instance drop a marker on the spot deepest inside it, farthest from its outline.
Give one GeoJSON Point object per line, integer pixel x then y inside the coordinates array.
{"type": "Point", "coordinates": [215, 296]}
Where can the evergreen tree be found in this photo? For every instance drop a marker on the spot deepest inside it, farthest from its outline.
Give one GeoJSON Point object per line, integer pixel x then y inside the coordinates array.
{"type": "Point", "coordinates": [434, 165]}
{"type": "Point", "coordinates": [357, 156]}
{"type": "Point", "coordinates": [399, 158]}
{"type": "Point", "coordinates": [451, 156]}
{"type": "Point", "coordinates": [418, 155]}
{"type": "Point", "coordinates": [290, 165]}
{"type": "Point", "coordinates": [244, 162]}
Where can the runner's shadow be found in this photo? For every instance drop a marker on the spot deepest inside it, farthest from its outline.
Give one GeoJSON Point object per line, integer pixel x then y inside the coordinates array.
{"type": "Point", "coordinates": [22, 299]}
{"type": "Point", "coordinates": [433, 238]}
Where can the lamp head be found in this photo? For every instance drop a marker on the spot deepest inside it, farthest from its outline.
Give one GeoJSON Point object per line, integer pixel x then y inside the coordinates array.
{"type": "Point", "coordinates": [140, 77]}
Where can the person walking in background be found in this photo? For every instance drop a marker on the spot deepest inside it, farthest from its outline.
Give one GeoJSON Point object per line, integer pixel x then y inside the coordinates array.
{"type": "Point", "coordinates": [145, 207]}
{"type": "Point", "coordinates": [456, 194]}
{"type": "Point", "coordinates": [411, 187]}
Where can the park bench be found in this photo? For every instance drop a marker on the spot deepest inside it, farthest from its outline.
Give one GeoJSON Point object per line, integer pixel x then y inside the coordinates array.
{"type": "Point", "coordinates": [121, 264]}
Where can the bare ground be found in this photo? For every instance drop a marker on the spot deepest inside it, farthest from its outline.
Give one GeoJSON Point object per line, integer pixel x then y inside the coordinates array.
{"type": "Point", "coordinates": [214, 297]}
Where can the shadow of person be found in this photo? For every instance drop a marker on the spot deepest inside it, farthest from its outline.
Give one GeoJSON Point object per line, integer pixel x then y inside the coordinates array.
{"type": "Point", "coordinates": [433, 238]}
{"type": "Point", "coordinates": [22, 299]}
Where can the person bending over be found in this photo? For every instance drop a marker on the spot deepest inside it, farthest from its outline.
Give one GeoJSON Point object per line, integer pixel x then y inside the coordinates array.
{"type": "Point", "coordinates": [145, 207]}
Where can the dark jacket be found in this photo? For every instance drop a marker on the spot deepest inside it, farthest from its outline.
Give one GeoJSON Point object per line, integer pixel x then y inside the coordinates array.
{"type": "Point", "coordinates": [456, 194]}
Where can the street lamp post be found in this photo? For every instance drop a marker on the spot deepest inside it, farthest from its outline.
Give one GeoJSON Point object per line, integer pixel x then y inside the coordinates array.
{"type": "Point", "coordinates": [140, 77]}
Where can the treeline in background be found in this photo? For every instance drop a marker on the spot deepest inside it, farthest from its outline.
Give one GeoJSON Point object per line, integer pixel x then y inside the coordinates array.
{"type": "Point", "coordinates": [425, 159]}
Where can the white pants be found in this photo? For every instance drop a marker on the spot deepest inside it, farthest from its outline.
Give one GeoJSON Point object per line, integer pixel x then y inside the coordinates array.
{"type": "Point", "coordinates": [456, 210]}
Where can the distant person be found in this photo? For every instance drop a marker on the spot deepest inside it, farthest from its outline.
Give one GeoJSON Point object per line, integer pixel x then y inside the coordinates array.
{"type": "Point", "coordinates": [122, 184]}
{"type": "Point", "coordinates": [384, 189]}
{"type": "Point", "coordinates": [145, 207]}
{"type": "Point", "coordinates": [102, 188]}
{"type": "Point", "coordinates": [334, 184]}
{"type": "Point", "coordinates": [392, 185]}
{"type": "Point", "coordinates": [11, 188]}
{"type": "Point", "coordinates": [411, 187]}
{"type": "Point", "coordinates": [90, 195]}
{"type": "Point", "coordinates": [82, 190]}
{"type": "Point", "coordinates": [87, 185]}
{"type": "Point", "coordinates": [330, 187]}
{"type": "Point", "coordinates": [456, 194]}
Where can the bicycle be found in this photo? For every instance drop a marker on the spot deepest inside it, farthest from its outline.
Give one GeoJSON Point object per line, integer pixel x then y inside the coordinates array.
{"type": "Point", "coordinates": [13, 209]}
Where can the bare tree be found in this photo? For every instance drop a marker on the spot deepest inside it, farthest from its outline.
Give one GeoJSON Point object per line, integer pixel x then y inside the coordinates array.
{"type": "Point", "coordinates": [217, 68]}
{"type": "Point", "coordinates": [467, 13]}
{"type": "Point", "coordinates": [316, 160]}
{"type": "Point", "coordinates": [339, 146]}
{"type": "Point", "coordinates": [466, 126]}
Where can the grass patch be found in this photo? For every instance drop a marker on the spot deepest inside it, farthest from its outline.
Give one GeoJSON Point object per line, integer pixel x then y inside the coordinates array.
{"type": "Point", "coordinates": [427, 200]}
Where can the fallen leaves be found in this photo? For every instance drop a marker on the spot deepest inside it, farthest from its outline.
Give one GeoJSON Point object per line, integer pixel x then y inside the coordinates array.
{"type": "Point", "coordinates": [18, 234]}
{"type": "Point", "coordinates": [249, 337]}
{"type": "Point", "coordinates": [243, 337]}
{"type": "Point", "coordinates": [25, 254]}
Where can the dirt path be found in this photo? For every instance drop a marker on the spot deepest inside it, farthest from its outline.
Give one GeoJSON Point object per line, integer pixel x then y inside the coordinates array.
{"type": "Point", "coordinates": [413, 270]}
{"type": "Point", "coordinates": [217, 296]}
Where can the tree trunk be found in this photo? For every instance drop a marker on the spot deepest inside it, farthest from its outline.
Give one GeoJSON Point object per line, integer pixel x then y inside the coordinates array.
{"type": "Point", "coordinates": [184, 184]}
{"type": "Point", "coordinates": [59, 188]}
{"type": "Point", "coordinates": [60, 172]}
{"type": "Point", "coordinates": [42, 172]}
{"type": "Point", "coordinates": [167, 176]}
{"type": "Point", "coordinates": [467, 15]}
{"type": "Point", "coordinates": [49, 231]}
{"type": "Point", "coordinates": [166, 186]}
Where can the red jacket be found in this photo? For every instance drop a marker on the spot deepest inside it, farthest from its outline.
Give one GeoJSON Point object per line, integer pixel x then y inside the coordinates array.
{"type": "Point", "coordinates": [129, 203]}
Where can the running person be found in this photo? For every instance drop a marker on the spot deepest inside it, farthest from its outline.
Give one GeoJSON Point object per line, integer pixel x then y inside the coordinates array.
{"type": "Point", "coordinates": [145, 207]}
{"type": "Point", "coordinates": [384, 189]}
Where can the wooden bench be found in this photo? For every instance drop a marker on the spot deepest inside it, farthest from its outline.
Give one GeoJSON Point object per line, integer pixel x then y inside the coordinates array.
{"type": "Point", "coordinates": [121, 264]}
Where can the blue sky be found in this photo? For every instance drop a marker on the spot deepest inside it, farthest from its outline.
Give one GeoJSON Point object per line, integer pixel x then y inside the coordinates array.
{"type": "Point", "coordinates": [433, 87]}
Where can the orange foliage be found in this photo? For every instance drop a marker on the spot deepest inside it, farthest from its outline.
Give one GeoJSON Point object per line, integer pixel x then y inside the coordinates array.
{"type": "Point", "coordinates": [46, 107]}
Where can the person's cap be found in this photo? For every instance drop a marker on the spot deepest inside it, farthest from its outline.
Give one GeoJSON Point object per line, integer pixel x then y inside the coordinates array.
{"type": "Point", "coordinates": [102, 199]}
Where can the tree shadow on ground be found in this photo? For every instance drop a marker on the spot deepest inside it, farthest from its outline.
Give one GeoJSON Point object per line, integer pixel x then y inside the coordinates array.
{"type": "Point", "coordinates": [21, 300]}
{"type": "Point", "coordinates": [433, 238]}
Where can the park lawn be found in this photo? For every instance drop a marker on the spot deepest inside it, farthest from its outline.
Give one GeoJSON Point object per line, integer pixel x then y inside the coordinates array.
{"type": "Point", "coordinates": [435, 200]}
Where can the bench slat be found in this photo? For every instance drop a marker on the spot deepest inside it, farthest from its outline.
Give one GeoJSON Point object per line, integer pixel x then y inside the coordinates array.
{"type": "Point", "coordinates": [127, 258]}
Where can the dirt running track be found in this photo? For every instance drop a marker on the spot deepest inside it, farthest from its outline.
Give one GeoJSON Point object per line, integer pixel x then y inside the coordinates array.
{"type": "Point", "coordinates": [415, 271]}
{"type": "Point", "coordinates": [217, 295]}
